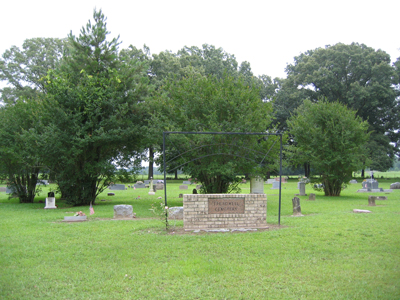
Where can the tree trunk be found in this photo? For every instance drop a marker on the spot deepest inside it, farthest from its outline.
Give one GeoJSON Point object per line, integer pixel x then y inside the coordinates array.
{"type": "Point", "coordinates": [307, 170]}
{"type": "Point", "coordinates": [176, 174]}
{"type": "Point", "coordinates": [151, 163]}
{"type": "Point", "coordinates": [362, 173]}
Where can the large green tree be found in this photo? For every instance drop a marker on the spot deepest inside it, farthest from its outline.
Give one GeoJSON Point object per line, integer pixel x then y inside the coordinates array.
{"type": "Point", "coordinates": [21, 160]}
{"type": "Point", "coordinates": [355, 75]}
{"type": "Point", "coordinates": [333, 138]}
{"type": "Point", "coordinates": [93, 116]}
{"type": "Point", "coordinates": [23, 69]}
{"type": "Point", "coordinates": [210, 104]}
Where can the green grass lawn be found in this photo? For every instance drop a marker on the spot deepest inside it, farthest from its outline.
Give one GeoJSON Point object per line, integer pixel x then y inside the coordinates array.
{"type": "Point", "coordinates": [329, 253]}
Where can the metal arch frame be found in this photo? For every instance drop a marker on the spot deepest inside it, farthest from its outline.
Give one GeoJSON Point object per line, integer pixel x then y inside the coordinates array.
{"type": "Point", "coordinates": [165, 133]}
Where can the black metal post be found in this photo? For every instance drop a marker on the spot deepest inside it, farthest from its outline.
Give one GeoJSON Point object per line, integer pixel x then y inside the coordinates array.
{"type": "Point", "coordinates": [280, 183]}
{"type": "Point", "coordinates": [165, 172]}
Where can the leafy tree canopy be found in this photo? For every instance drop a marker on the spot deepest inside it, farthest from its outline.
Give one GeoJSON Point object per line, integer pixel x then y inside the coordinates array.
{"type": "Point", "coordinates": [333, 138]}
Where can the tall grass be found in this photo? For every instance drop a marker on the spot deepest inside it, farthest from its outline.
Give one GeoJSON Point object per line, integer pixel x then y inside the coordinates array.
{"type": "Point", "coordinates": [329, 253]}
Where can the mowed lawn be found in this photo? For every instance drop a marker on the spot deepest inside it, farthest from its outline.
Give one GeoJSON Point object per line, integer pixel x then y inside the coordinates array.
{"type": "Point", "coordinates": [329, 253]}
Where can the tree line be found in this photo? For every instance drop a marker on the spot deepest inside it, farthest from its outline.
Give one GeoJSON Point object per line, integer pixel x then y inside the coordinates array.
{"type": "Point", "coordinates": [79, 109]}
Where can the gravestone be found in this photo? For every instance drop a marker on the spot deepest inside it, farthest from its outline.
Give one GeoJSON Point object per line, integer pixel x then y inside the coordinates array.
{"type": "Point", "coordinates": [395, 186]}
{"type": "Point", "coordinates": [256, 185]}
{"type": "Point", "coordinates": [3, 189]}
{"type": "Point", "coordinates": [117, 187]}
{"type": "Point", "coordinates": [183, 187]}
{"type": "Point", "coordinates": [270, 181]}
{"type": "Point", "coordinates": [381, 198]}
{"type": "Point", "coordinates": [180, 195]}
{"type": "Point", "coordinates": [276, 185]}
{"type": "Point", "coordinates": [371, 200]}
{"type": "Point", "coordinates": [194, 191]}
{"type": "Point", "coordinates": [199, 186]}
{"type": "Point", "coordinates": [160, 181]}
{"type": "Point", "coordinates": [140, 186]}
{"type": "Point", "coordinates": [353, 181]}
{"type": "Point", "coordinates": [110, 194]}
{"type": "Point", "coordinates": [370, 184]}
{"type": "Point", "coordinates": [296, 206]}
{"type": "Point", "coordinates": [311, 197]}
{"type": "Point", "coordinates": [151, 192]}
{"type": "Point", "coordinates": [50, 201]}
{"type": "Point", "coordinates": [159, 186]}
{"type": "Point", "coordinates": [187, 182]}
{"type": "Point", "coordinates": [175, 213]}
{"type": "Point", "coordinates": [302, 189]}
{"type": "Point", "coordinates": [123, 212]}
{"type": "Point", "coordinates": [147, 181]}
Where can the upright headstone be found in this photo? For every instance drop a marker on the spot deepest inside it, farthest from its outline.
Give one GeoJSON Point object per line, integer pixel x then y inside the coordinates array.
{"type": "Point", "coordinates": [256, 185]}
{"type": "Point", "coordinates": [151, 192]}
{"type": "Point", "coordinates": [50, 201]}
{"type": "Point", "coordinates": [270, 181]}
{"type": "Point", "coordinates": [159, 186]}
{"type": "Point", "coordinates": [117, 187]}
{"type": "Point", "coordinates": [187, 182]}
{"type": "Point", "coordinates": [140, 186]}
{"type": "Point", "coordinates": [311, 197]}
{"type": "Point", "coordinates": [276, 185]}
{"type": "Point", "coordinates": [123, 211]}
{"type": "Point", "coordinates": [175, 212]}
{"type": "Point", "coordinates": [302, 188]}
{"type": "Point", "coordinates": [296, 206]}
{"type": "Point", "coordinates": [353, 181]}
{"type": "Point", "coordinates": [395, 186]}
{"type": "Point", "coordinates": [371, 200]}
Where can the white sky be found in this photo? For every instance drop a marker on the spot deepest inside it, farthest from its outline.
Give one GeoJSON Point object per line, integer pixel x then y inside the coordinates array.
{"type": "Point", "coordinates": [266, 33]}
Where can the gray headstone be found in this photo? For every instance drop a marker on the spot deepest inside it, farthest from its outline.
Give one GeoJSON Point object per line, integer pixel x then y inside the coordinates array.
{"type": "Point", "coordinates": [370, 184]}
{"type": "Point", "coordinates": [256, 185]}
{"type": "Point", "coordinates": [3, 189]}
{"type": "Point", "coordinates": [159, 186]}
{"type": "Point", "coordinates": [371, 200]}
{"type": "Point", "coordinates": [395, 186]}
{"type": "Point", "coordinates": [175, 212]}
{"type": "Point", "coordinates": [275, 185]}
{"type": "Point", "coordinates": [311, 197]}
{"type": "Point", "coordinates": [296, 206]}
{"type": "Point", "coordinates": [183, 187]}
{"type": "Point", "coordinates": [140, 186]}
{"type": "Point", "coordinates": [353, 181]}
{"type": "Point", "coordinates": [123, 211]}
{"type": "Point", "coordinates": [187, 182]}
{"type": "Point", "coordinates": [147, 181]}
{"type": "Point", "coordinates": [10, 190]}
{"type": "Point", "coordinates": [302, 188]}
{"type": "Point", "coordinates": [270, 181]}
{"type": "Point", "coordinates": [117, 187]}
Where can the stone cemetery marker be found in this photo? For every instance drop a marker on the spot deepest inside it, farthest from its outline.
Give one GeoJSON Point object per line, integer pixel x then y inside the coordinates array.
{"type": "Point", "coordinates": [140, 185]}
{"type": "Point", "coordinates": [176, 212]}
{"type": "Point", "coordinates": [187, 182]}
{"type": "Point", "coordinates": [275, 185]}
{"type": "Point", "coordinates": [311, 197]}
{"type": "Point", "coordinates": [117, 187]}
{"type": "Point", "coordinates": [353, 181]}
{"type": "Point", "coordinates": [110, 194]}
{"type": "Point", "coordinates": [180, 195]}
{"type": "Point", "coordinates": [2, 189]}
{"type": "Point", "coordinates": [395, 186]}
{"type": "Point", "coordinates": [256, 185]}
{"type": "Point", "coordinates": [371, 200]}
{"type": "Point", "coordinates": [147, 181]}
{"type": "Point", "coordinates": [123, 211]}
{"type": "Point", "coordinates": [159, 186]}
{"type": "Point", "coordinates": [183, 187]}
{"type": "Point", "coordinates": [302, 188]}
{"type": "Point", "coordinates": [381, 198]}
{"type": "Point", "coordinates": [152, 192]}
{"type": "Point", "coordinates": [296, 206]}
{"type": "Point", "coordinates": [270, 181]}
{"type": "Point", "coordinates": [50, 201]}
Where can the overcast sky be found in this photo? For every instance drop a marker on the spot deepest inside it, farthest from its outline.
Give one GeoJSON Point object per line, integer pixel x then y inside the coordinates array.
{"type": "Point", "coordinates": [266, 33]}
